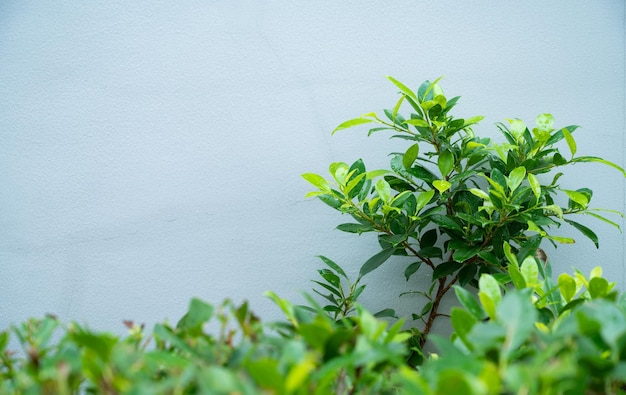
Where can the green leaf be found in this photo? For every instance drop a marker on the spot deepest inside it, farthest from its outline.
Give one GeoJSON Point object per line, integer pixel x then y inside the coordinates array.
{"type": "Point", "coordinates": [601, 218]}
{"type": "Point", "coordinates": [430, 252]}
{"type": "Point", "coordinates": [467, 274]}
{"type": "Point", "coordinates": [465, 253]}
{"type": "Point", "coordinates": [598, 287]}
{"type": "Point", "coordinates": [530, 271]}
{"type": "Point", "coordinates": [490, 286]}
{"type": "Point", "coordinates": [383, 189]}
{"type": "Point", "coordinates": [199, 313]}
{"type": "Point", "coordinates": [509, 255]}
{"type": "Point", "coordinates": [469, 302]}
{"type": "Point", "coordinates": [571, 143]}
{"type": "Point", "coordinates": [598, 160]}
{"type": "Point", "coordinates": [445, 269]}
{"type": "Point", "coordinates": [446, 222]}
{"type": "Point", "coordinates": [555, 209]}
{"type": "Point", "coordinates": [411, 269]}
{"type": "Point", "coordinates": [417, 122]}
{"type": "Point", "coordinates": [545, 122]}
{"type": "Point", "coordinates": [515, 178]}
{"type": "Point", "coordinates": [558, 136]}
{"type": "Point", "coordinates": [355, 228]}
{"type": "Point", "coordinates": [567, 286]}
{"type": "Point", "coordinates": [351, 123]}
{"type": "Point", "coordinates": [516, 276]}
{"type": "Point", "coordinates": [518, 315]}
{"type": "Point", "coordinates": [317, 181]}
{"type": "Point", "coordinates": [534, 185]}
{"type": "Point", "coordinates": [330, 277]}
{"type": "Point", "coordinates": [445, 162]}
{"type": "Point", "coordinates": [462, 321]}
{"type": "Point", "coordinates": [481, 194]}
{"type": "Point", "coordinates": [403, 88]}
{"type": "Point", "coordinates": [375, 261]}
{"type": "Point", "coordinates": [577, 197]}
{"type": "Point", "coordinates": [391, 313]}
{"type": "Point", "coordinates": [410, 155]}
{"type": "Point", "coordinates": [585, 231]}
{"type": "Point", "coordinates": [441, 185]}
{"type": "Point", "coordinates": [422, 199]}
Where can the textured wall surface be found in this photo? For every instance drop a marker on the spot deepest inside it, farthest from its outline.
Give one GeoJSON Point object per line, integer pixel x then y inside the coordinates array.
{"type": "Point", "coordinates": [150, 153]}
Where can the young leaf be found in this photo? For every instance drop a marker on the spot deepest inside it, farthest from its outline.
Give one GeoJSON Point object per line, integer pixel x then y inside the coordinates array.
{"type": "Point", "coordinates": [571, 143]}
{"type": "Point", "coordinates": [534, 185]}
{"type": "Point", "coordinates": [317, 181]}
{"type": "Point", "coordinates": [403, 88]}
{"type": "Point", "coordinates": [351, 123]}
{"type": "Point", "coordinates": [488, 284]}
{"type": "Point", "coordinates": [567, 286]}
{"type": "Point", "coordinates": [423, 199]}
{"type": "Point", "coordinates": [515, 178]}
{"type": "Point", "coordinates": [577, 197]}
{"type": "Point", "coordinates": [441, 185]}
{"type": "Point", "coordinates": [383, 189]}
{"type": "Point", "coordinates": [530, 271]}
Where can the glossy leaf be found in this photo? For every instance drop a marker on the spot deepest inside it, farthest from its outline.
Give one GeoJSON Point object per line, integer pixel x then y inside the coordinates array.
{"type": "Point", "coordinates": [410, 155]}
{"type": "Point", "coordinates": [441, 185]}
{"type": "Point", "coordinates": [445, 162]}
{"type": "Point", "coordinates": [515, 178]}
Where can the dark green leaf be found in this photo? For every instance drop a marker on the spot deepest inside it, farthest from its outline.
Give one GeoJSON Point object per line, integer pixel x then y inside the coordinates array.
{"type": "Point", "coordinates": [467, 274]}
{"type": "Point", "coordinates": [386, 313]}
{"type": "Point", "coordinates": [429, 238]}
{"type": "Point", "coordinates": [411, 269]}
{"type": "Point", "coordinates": [431, 252]}
{"type": "Point", "coordinates": [355, 228]}
{"type": "Point", "coordinates": [446, 222]}
{"type": "Point", "coordinates": [376, 261]}
{"type": "Point", "coordinates": [445, 269]}
{"type": "Point", "coordinates": [463, 254]}
{"type": "Point", "coordinates": [585, 231]}
{"type": "Point", "coordinates": [333, 265]}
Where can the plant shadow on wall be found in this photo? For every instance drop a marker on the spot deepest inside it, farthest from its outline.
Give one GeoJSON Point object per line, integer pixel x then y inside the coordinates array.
{"type": "Point", "coordinates": [460, 205]}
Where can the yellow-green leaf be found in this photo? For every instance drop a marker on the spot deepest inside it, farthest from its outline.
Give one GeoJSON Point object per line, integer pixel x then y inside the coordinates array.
{"type": "Point", "coordinates": [571, 143]}
{"type": "Point", "coordinates": [351, 123]}
{"type": "Point", "coordinates": [441, 185]}
{"type": "Point", "coordinates": [535, 186]}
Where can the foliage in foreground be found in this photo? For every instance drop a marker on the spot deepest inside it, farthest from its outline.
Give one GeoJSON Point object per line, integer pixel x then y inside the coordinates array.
{"type": "Point", "coordinates": [536, 338]}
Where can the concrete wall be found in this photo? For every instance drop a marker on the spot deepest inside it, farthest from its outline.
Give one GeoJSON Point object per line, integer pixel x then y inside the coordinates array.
{"type": "Point", "coordinates": [152, 152]}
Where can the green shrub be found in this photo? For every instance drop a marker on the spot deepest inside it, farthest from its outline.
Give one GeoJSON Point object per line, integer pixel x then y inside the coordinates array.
{"type": "Point", "coordinates": [453, 200]}
{"type": "Point", "coordinates": [533, 337]}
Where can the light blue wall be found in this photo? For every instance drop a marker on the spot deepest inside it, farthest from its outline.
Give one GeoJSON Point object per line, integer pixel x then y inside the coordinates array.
{"type": "Point", "coordinates": [153, 152]}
